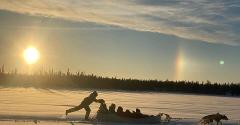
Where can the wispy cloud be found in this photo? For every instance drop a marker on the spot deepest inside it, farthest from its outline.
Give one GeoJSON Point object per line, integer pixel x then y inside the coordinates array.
{"type": "Point", "coordinates": [214, 21]}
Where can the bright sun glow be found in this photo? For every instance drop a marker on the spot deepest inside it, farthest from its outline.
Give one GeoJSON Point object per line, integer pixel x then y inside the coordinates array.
{"type": "Point", "coordinates": [31, 55]}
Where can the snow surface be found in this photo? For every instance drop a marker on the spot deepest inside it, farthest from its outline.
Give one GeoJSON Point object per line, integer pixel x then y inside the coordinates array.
{"type": "Point", "coordinates": [26, 105]}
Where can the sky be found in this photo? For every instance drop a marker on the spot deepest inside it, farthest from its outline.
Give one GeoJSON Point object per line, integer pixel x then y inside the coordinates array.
{"type": "Point", "coordinates": [144, 39]}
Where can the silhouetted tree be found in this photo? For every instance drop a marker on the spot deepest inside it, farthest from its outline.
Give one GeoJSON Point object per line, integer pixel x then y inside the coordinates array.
{"type": "Point", "coordinates": [81, 80]}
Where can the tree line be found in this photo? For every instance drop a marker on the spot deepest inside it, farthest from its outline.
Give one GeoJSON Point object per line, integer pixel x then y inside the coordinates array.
{"type": "Point", "coordinates": [80, 80]}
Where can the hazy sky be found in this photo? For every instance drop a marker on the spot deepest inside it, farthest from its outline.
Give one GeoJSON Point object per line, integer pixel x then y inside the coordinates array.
{"type": "Point", "coordinates": [144, 39]}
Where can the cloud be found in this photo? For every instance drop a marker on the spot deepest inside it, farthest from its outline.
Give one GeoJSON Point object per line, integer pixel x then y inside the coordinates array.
{"type": "Point", "coordinates": [212, 21]}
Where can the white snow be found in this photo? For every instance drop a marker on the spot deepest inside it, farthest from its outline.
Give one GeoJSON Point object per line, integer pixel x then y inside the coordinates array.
{"type": "Point", "coordinates": [24, 105]}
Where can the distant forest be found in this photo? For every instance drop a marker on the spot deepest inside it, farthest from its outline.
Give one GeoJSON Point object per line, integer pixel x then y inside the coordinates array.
{"type": "Point", "coordinates": [80, 80]}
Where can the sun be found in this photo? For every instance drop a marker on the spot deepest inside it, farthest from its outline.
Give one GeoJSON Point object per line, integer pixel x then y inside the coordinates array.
{"type": "Point", "coordinates": [31, 55]}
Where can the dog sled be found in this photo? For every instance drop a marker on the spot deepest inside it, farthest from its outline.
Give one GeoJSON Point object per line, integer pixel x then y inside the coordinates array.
{"type": "Point", "coordinates": [113, 117]}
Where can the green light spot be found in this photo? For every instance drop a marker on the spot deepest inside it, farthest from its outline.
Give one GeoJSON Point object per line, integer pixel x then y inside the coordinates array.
{"type": "Point", "coordinates": [221, 62]}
